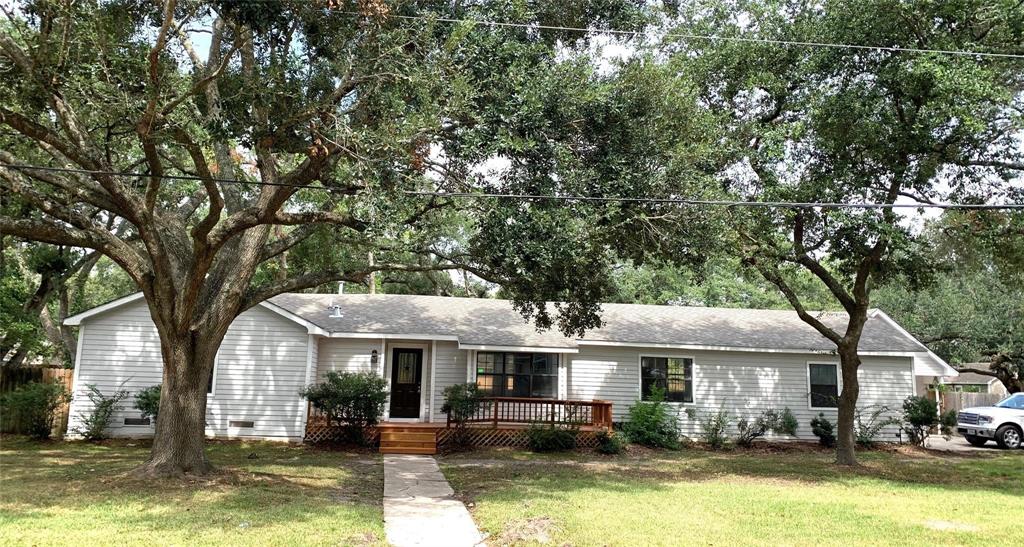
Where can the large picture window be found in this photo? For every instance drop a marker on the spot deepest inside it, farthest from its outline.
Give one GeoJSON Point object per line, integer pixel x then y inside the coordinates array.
{"type": "Point", "coordinates": [517, 374]}
{"type": "Point", "coordinates": [674, 375]}
{"type": "Point", "coordinates": [824, 380]}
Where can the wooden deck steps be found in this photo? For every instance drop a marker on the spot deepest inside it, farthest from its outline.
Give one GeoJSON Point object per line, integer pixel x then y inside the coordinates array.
{"type": "Point", "coordinates": [408, 439]}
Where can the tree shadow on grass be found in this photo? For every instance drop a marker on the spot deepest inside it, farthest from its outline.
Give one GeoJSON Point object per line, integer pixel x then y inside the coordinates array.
{"type": "Point", "coordinates": [263, 484]}
{"type": "Point", "coordinates": [1002, 474]}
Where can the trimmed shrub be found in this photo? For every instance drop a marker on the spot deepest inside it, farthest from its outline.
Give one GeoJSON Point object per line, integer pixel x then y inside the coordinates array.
{"type": "Point", "coordinates": [867, 427]}
{"type": "Point", "coordinates": [94, 422]}
{"type": "Point", "coordinates": [651, 423]}
{"type": "Point", "coordinates": [460, 404]}
{"type": "Point", "coordinates": [823, 430]}
{"type": "Point", "coordinates": [147, 401]}
{"type": "Point", "coordinates": [549, 438]}
{"type": "Point", "coordinates": [769, 420]}
{"type": "Point", "coordinates": [35, 406]}
{"type": "Point", "coordinates": [609, 443]}
{"type": "Point", "coordinates": [353, 401]}
{"type": "Point", "coordinates": [947, 423]}
{"type": "Point", "coordinates": [713, 426]}
{"type": "Point", "coordinates": [920, 415]}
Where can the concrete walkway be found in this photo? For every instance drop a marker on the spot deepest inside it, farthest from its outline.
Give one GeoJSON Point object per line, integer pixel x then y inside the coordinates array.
{"type": "Point", "coordinates": [419, 507]}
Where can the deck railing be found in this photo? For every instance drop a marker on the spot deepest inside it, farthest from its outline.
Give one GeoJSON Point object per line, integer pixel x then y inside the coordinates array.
{"type": "Point", "coordinates": [522, 410]}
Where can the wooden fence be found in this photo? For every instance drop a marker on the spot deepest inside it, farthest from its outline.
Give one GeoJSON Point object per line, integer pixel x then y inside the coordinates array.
{"type": "Point", "coordinates": [959, 401]}
{"type": "Point", "coordinates": [13, 378]}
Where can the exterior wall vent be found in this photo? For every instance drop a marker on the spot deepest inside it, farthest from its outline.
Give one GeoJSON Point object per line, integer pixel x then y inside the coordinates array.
{"type": "Point", "coordinates": [136, 421]}
{"type": "Point", "coordinates": [243, 423]}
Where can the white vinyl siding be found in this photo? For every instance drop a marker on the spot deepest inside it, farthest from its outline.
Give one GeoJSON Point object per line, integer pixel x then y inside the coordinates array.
{"type": "Point", "coordinates": [347, 355]}
{"type": "Point", "coordinates": [261, 367]}
{"type": "Point", "coordinates": [742, 383]}
{"type": "Point", "coordinates": [451, 370]}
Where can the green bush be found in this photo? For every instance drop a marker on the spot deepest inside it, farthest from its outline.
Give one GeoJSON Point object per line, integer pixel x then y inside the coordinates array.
{"type": "Point", "coordinates": [947, 423]}
{"type": "Point", "coordinates": [460, 404]}
{"type": "Point", "coordinates": [713, 426]}
{"type": "Point", "coordinates": [651, 423]}
{"type": "Point", "coordinates": [35, 406]}
{"type": "Point", "coordinates": [353, 401]}
{"type": "Point", "coordinates": [609, 442]}
{"type": "Point", "coordinates": [920, 415]}
{"type": "Point", "coordinates": [822, 428]}
{"type": "Point", "coordinates": [769, 420]}
{"type": "Point", "coordinates": [868, 423]}
{"type": "Point", "coordinates": [94, 422]}
{"type": "Point", "coordinates": [550, 438]}
{"type": "Point", "coordinates": [148, 401]}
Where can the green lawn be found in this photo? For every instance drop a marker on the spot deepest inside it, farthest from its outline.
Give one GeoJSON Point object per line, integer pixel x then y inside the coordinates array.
{"type": "Point", "coordinates": [795, 497]}
{"type": "Point", "coordinates": [265, 494]}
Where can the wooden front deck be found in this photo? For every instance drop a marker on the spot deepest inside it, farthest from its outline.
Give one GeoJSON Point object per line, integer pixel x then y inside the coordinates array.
{"type": "Point", "coordinates": [499, 421]}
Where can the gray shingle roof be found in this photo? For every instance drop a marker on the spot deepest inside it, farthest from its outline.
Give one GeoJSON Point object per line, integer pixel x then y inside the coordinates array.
{"type": "Point", "coordinates": [478, 321]}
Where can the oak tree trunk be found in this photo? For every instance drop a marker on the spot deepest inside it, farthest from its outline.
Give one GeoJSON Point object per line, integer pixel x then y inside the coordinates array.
{"type": "Point", "coordinates": [846, 442]}
{"type": "Point", "coordinates": [178, 445]}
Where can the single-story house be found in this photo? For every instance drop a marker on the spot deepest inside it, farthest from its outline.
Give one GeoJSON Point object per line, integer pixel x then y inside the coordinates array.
{"type": "Point", "coordinates": [740, 360]}
{"type": "Point", "coordinates": [972, 382]}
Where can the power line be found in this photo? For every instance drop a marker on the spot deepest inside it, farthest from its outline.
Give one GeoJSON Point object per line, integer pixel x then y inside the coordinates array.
{"type": "Point", "coordinates": [707, 37]}
{"type": "Point", "coordinates": [562, 198]}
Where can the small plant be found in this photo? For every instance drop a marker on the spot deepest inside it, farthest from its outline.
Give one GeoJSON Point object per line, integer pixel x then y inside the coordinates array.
{"type": "Point", "coordinates": [947, 423]}
{"type": "Point", "coordinates": [461, 402]}
{"type": "Point", "coordinates": [147, 401]}
{"type": "Point", "coordinates": [823, 430]}
{"type": "Point", "coordinates": [713, 426]}
{"type": "Point", "coordinates": [869, 422]}
{"type": "Point", "coordinates": [352, 401]}
{"type": "Point", "coordinates": [920, 415]}
{"type": "Point", "coordinates": [650, 423]}
{"type": "Point", "coordinates": [770, 420]}
{"type": "Point", "coordinates": [95, 422]}
{"type": "Point", "coordinates": [549, 438]}
{"type": "Point", "coordinates": [35, 406]}
{"type": "Point", "coordinates": [609, 442]}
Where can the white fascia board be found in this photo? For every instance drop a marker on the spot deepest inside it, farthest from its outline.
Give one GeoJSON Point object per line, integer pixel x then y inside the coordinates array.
{"type": "Point", "coordinates": [703, 347]}
{"type": "Point", "coordinates": [536, 349]}
{"type": "Point", "coordinates": [311, 328]}
{"type": "Point", "coordinates": [76, 319]}
{"type": "Point", "coordinates": [390, 336]}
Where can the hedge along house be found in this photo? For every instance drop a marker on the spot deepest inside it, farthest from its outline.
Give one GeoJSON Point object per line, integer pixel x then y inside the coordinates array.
{"type": "Point", "coordinates": [744, 361]}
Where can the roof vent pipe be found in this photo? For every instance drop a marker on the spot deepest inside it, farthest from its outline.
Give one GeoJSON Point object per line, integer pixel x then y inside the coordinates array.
{"type": "Point", "coordinates": [335, 311]}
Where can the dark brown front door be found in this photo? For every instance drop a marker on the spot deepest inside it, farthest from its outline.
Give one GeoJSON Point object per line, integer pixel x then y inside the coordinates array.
{"type": "Point", "coordinates": [406, 375]}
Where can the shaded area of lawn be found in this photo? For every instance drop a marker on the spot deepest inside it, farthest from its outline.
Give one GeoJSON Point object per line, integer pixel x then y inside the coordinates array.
{"type": "Point", "coordinates": [741, 498]}
{"type": "Point", "coordinates": [265, 493]}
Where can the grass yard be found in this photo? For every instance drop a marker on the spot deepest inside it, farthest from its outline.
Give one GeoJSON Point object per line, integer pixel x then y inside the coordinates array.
{"type": "Point", "coordinates": [792, 497]}
{"type": "Point", "coordinates": [265, 494]}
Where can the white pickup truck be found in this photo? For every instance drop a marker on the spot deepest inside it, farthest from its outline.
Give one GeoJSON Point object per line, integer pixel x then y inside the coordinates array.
{"type": "Point", "coordinates": [1002, 422]}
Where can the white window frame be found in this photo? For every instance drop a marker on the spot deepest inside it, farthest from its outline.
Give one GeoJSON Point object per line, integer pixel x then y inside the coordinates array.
{"type": "Point", "coordinates": [839, 383]}
{"type": "Point", "coordinates": [640, 376]}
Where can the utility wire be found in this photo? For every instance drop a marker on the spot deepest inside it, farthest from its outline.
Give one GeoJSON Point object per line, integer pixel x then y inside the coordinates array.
{"type": "Point", "coordinates": [563, 198]}
{"type": "Point", "coordinates": [706, 37]}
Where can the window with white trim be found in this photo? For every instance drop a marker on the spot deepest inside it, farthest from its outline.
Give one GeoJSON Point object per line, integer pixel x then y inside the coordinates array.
{"type": "Point", "coordinates": [824, 384]}
{"type": "Point", "coordinates": [673, 375]}
{"type": "Point", "coordinates": [517, 374]}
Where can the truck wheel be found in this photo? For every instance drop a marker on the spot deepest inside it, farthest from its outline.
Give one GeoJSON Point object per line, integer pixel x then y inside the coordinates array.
{"type": "Point", "coordinates": [975, 440]}
{"type": "Point", "coordinates": [1009, 436]}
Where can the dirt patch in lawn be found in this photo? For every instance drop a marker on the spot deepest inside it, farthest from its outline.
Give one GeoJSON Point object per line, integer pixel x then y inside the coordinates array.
{"type": "Point", "coordinates": [533, 530]}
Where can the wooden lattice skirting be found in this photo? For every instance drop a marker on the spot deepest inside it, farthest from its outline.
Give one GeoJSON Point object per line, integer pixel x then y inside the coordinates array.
{"type": "Point", "coordinates": [318, 431]}
{"type": "Point", "coordinates": [513, 437]}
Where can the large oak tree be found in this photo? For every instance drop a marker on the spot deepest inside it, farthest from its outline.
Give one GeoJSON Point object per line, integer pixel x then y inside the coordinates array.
{"type": "Point", "coordinates": [844, 125]}
{"type": "Point", "coordinates": [263, 128]}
